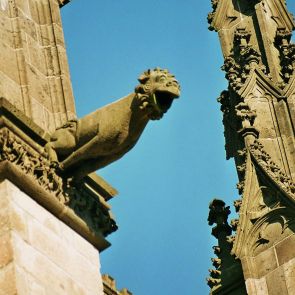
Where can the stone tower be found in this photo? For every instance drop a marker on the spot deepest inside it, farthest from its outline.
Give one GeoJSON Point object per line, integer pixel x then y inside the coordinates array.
{"type": "Point", "coordinates": [51, 231]}
{"type": "Point", "coordinates": [259, 118]}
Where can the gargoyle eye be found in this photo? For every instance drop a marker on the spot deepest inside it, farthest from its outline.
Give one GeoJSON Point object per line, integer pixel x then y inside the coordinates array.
{"type": "Point", "coordinates": [161, 79]}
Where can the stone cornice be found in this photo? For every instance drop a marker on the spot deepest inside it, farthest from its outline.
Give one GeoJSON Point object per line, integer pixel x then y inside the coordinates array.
{"type": "Point", "coordinates": [23, 161]}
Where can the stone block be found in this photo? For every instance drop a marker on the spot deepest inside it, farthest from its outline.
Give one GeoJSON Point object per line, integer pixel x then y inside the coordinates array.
{"type": "Point", "coordinates": [74, 274]}
{"type": "Point", "coordinates": [249, 268]}
{"type": "Point", "coordinates": [5, 31]}
{"type": "Point", "coordinates": [37, 112]}
{"type": "Point", "coordinates": [7, 280]}
{"type": "Point", "coordinates": [68, 93]}
{"type": "Point", "coordinates": [22, 283]}
{"type": "Point", "coordinates": [36, 54]}
{"type": "Point", "coordinates": [49, 244]}
{"type": "Point", "coordinates": [276, 282]}
{"type": "Point", "coordinates": [4, 220]}
{"type": "Point", "coordinates": [24, 6]}
{"type": "Point", "coordinates": [24, 202]}
{"type": "Point", "coordinates": [35, 288]}
{"type": "Point", "coordinates": [40, 88]}
{"type": "Point", "coordinates": [8, 62]}
{"type": "Point", "coordinates": [286, 249]}
{"type": "Point", "coordinates": [39, 267]}
{"type": "Point", "coordinates": [59, 35]}
{"type": "Point", "coordinates": [289, 269]}
{"type": "Point", "coordinates": [28, 26]}
{"type": "Point", "coordinates": [4, 201]}
{"type": "Point", "coordinates": [49, 61]}
{"type": "Point", "coordinates": [18, 221]}
{"type": "Point", "coordinates": [256, 286]}
{"type": "Point", "coordinates": [6, 252]}
{"type": "Point", "coordinates": [11, 90]}
{"type": "Point", "coordinates": [86, 250]}
{"type": "Point", "coordinates": [55, 13]}
{"type": "Point", "coordinates": [44, 12]}
{"type": "Point", "coordinates": [48, 250]}
{"type": "Point", "coordinates": [265, 262]}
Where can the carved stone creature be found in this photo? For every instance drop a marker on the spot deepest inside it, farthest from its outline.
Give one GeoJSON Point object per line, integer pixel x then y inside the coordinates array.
{"type": "Point", "coordinates": [102, 137]}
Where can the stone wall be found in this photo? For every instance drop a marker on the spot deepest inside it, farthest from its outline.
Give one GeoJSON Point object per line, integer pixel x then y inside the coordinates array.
{"type": "Point", "coordinates": [34, 74]}
{"type": "Point", "coordinates": [274, 269]}
{"type": "Point", "coordinates": [41, 255]}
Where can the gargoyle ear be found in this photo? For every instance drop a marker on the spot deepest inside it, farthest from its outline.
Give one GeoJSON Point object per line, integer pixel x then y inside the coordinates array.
{"type": "Point", "coordinates": [144, 77]}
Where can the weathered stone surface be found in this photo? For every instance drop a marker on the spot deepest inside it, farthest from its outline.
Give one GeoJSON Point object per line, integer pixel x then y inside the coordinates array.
{"type": "Point", "coordinates": [36, 254]}
{"type": "Point", "coordinates": [256, 286]}
{"type": "Point", "coordinates": [286, 250]}
{"type": "Point", "coordinates": [266, 262]}
{"type": "Point", "coordinates": [81, 206]}
{"type": "Point", "coordinates": [7, 280]}
{"type": "Point", "coordinates": [289, 270]}
{"type": "Point", "coordinates": [96, 140]}
{"type": "Point", "coordinates": [33, 52]}
{"type": "Point", "coordinates": [258, 118]}
{"type": "Point", "coordinates": [276, 282]}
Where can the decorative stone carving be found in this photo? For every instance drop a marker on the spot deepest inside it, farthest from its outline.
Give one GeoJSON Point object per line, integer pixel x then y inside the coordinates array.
{"type": "Point", "coordinates": [216, 250]}
{"type": "Point", "coordinates": [211, 15]}
{"type": "Point", "coordinates": [97, 140]}
{"type": "Point", "coordinates": [238, 204]}
{"type": "Point", "coordinates": [216, 262]}
{"type": "Point", "coordinates": [287, 54]}
{"type": "Point", "coordinates": [225, 264]}
{"type": "Point", "coordinates": [215, 273]}
{"type": "Point", "coordinates": [212, 282]}
{"type": "Point", "coordinates": [244, 57]}
{"type": "Point", "coordinates": [224, 100]}
{"type": "Point", "coordinates": [218, 214]}
{"type": "Point", "coordinates": [246, 115]}
{"type": "Point", "coordinates": [83, 206]}
{"type": "Point", "coordinates": [258, 107]}
{"type": "Point", "coordinates": [274, 226]}
{"type": "Point", "coordinates": [240, 187]}
{"type": "Point", "coordinates": [234, 224]}
{"type": "Point", "coordinates": [273, 170]}
{"type": "Point", "coordinates": [110, 288]}
{"type": "Point", "coordinates": [231, 240]}
{"type": "Point", "coordinates": [14, 150]}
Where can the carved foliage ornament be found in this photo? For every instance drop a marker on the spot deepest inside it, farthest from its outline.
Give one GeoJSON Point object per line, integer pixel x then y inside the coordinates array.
{"type": "Point", "coordinates": [211, 15]}
{"type": "Point", "coordinates": [272, 169]}
{"type": "Point", "coordinates": [17, 152]}
{"type": "Point", "coordinates": [244, 56]}
{"type": "Point", "coordinates": [269, 229]}
{"type": "Point", "coordinates": [287, 54]}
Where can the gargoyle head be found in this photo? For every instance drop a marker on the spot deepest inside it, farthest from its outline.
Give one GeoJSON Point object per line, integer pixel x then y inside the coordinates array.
{"type": "Point", "coordinates": [156, 91]}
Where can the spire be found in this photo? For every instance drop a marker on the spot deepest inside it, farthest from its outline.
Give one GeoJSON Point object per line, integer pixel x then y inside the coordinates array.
{"type": "Point", "coordinates": [259, 128]}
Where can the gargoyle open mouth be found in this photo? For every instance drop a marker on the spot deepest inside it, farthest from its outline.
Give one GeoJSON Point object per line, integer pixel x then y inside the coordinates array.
{"type": "Point", "coordinates": [163, 100]}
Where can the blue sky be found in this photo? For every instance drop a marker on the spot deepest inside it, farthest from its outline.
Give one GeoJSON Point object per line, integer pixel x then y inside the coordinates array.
{"type": "Point", "coordinates": [163, 245]}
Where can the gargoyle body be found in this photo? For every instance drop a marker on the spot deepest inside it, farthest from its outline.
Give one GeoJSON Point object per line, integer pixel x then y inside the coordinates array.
{"type": "Point", "coordinates": [102, 137]}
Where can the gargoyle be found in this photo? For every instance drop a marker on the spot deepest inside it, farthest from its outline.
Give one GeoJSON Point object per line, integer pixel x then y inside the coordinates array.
{"type": "Point", "coordinates": [102, 137]}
